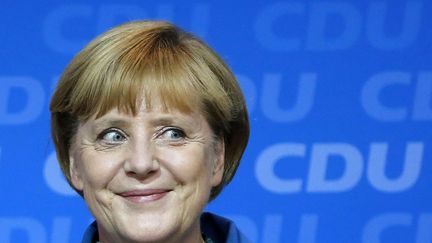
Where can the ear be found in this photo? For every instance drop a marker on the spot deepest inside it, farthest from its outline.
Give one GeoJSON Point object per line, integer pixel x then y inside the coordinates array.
{"type": "Point", "coordinates": [219, 163]}
{"type": "Point", "coordinates": [75, 174]}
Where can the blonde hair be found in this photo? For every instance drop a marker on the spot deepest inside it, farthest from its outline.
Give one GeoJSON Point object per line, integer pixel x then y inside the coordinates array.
{"type": "Point", "coordinates": [148, 58]}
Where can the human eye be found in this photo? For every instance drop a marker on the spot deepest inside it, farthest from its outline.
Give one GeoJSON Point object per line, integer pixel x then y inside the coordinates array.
{"type": "Point", "coordinates": [172, 134]}
{"type": "Point", "coordinates": [112, 136]}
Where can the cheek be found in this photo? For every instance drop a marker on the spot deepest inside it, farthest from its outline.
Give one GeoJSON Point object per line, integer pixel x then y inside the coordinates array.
{"type": "Point", "coordinates": [99, 168]}
{"type": "Point", "coordinates": [187, 164]}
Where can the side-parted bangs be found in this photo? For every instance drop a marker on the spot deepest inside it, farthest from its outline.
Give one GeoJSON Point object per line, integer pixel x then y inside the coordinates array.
{"type": "Point", "coordinates": [124, 69]}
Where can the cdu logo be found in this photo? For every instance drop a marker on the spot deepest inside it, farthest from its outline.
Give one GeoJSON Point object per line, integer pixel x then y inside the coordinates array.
{"type": "Point", "coordinates": [417, 87]}
{"type": "Point", "coordinates": [337, 25]}
{"type": "Point", "coordinates": [61, 21]}
{"type": "Point", "coordinates": [21, 100]}
{"type": "Point", "coordinates": [355, 163]}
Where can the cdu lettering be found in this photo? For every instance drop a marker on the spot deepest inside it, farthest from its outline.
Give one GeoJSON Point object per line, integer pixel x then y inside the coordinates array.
{"type": "Point", "coordinates": [272, 93]}
{"type": "Point", "coordinates": [34, 97]}
{"type": "Point", "coordinates": [332, 26]}
{"type": "Point", "coordinates": [378, 163]}
{"type": "Point", "coordinates": [54, 177]}
{"type": "Point", "coordinates": [32, 229]}
{"type": "Point", "coordinates": [113, 14]}
{"type": "Point", "coordinates": [370, 96]}
{"type": "Point", "coordinates": [378, 18]}
{"type": "Point", "coordinates": [61, 230]}
{"type": "Point", "coordinates": [424, 226]}
{"type": "Point", "coordinates": [422, 110]}
{"type": "Point", "coordinates": [266, 162]}
{"type": "Point", "coordinates": [348, 31]}
{"type": "Point", "coordinates": [55, 25]}
{"type": "Point", "coordinates": [317, 180]}
{"type": "Point", "coordinates": [321, 154]}
{"type": "Point", "coordinates": [375, 228]}
{"type": "Point", "coordinates": [375, 106]}
{"type": "Point", "coordinates": [308, 228]}
{"type": "Point", "coordinates": [272, 231]}
{"type": "Point", "coordinates": [266, 23]}
{"type": "Point", "coordinates": [390, 222]}
{"type": "Point", "coordinates": [109, 15]}
{"type": "Point", "coordinates": [61, 21]}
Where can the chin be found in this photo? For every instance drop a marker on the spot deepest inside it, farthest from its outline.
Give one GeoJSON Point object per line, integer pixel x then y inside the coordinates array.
{"type": "Point", "coordinates": [146, 236]}
{"type": "Point", "coordinates": [148, 228]}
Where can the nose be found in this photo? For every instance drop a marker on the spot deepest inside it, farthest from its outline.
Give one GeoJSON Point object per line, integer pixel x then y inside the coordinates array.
{"type": "Point", "coordinates": [141, 161]}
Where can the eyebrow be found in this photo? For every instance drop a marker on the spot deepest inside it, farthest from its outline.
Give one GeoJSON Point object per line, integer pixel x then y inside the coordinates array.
{"type": "Point", "coordinates": [160, 120]}
{"type": "Point", "coordinates": [110, 122]}
{"type": "Point", "coordinates": [163, 121]}
{"type": "Point", "coordinates": [176, 120]}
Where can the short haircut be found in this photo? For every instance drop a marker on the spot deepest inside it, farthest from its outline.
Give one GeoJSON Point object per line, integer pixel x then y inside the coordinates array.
{"type": "Point", "coordinates": [139, 60]}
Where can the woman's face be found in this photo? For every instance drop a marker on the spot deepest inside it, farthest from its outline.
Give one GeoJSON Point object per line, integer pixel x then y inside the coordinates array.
{"type": "Point", "coordinates": [146, 177]}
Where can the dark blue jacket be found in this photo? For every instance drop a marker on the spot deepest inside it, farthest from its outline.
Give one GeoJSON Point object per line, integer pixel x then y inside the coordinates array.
{"type": "Point", "coordinates": [218, 229]}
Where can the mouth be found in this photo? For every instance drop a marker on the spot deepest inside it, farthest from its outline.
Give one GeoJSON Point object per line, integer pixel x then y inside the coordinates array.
{"type": "Point", "coordinates": [142, 196]}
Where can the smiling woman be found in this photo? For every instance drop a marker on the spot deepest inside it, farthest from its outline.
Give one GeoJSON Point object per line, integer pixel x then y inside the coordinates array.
{"type": "Point", "coordinates": [149, 125]}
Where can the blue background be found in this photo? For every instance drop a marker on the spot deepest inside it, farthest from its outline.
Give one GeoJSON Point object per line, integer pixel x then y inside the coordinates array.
{"type": "Point", "coordinates": [334, 88]}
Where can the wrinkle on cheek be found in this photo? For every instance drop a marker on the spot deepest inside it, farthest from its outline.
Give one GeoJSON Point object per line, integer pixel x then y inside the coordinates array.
{"type": "Point", "coordinates": [102, 204]}
{"type": "Point", "coordinates": [108, 203]}
{"type": "Point", "coordinates": [110, 200]}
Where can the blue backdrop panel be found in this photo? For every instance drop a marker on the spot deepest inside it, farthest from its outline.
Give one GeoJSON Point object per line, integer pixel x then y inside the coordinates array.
{"type": "Point", "coordinates": [340, 101]}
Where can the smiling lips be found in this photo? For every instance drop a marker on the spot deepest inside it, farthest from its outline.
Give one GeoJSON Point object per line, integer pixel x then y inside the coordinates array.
{"type": "Point", "coordinates": [140, 196]}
